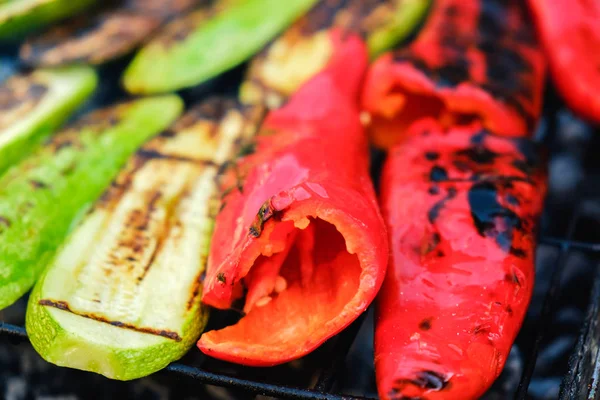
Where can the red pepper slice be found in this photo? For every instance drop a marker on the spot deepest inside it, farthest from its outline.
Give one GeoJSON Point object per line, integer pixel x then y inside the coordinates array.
{"type": "Point", "coordinates": [570, 33]}
{"type": "Point", "coordinates": [461, 208]}
{"type": "Point", "coordinates": [474, 59]}
{"type": "Point", "coordinates": [303, 233]}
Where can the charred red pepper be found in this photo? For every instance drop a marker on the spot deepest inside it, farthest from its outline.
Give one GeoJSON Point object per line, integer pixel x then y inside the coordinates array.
{"type": "Point", "coordinates": [474, 59]}
{"type": "Point", "coordinates": [570, 33]}
{"type": "Point", "coordinates": [300, 230]}
{"type": "Point", "coordinates": [461, 206]}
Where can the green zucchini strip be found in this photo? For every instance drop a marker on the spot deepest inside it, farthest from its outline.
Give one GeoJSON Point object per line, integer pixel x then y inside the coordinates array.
{"type": "Point", "coordinates": [207, 42]}
{"type": "Point", "coordinates": [41, 196]}
{"type": "Point", "coordinates": [18, 17]}
{"type": "Point", "coordinates": [122, 296]}
{"type": "Point", "coordinates": [33, 105]}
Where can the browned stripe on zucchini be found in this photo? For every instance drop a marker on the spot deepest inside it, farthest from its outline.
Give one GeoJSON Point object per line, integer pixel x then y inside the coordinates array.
{"type": "Point", "coordinates": [108, 35]}
{"type": "Point", "coordinates": [18, 96]}
{"type": "Point", "coordinates": [63, 305]}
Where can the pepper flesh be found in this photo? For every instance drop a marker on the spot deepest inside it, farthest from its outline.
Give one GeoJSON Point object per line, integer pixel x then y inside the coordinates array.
{"type": "Point", "coordinates": [461, 208]}
{"type": "Point", "coordinates": [474, 59]}
{"type": "Point", "coordinates": [570, 33]}
{"type": "Point", "coordinates": [307, 46]}
{"type": "Point", "coordinates": [306, 191]}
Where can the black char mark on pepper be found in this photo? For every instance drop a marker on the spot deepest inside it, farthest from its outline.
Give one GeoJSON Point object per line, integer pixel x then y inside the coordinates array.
{"type": "Point", "coordinates": [491, 219]}
{"type": "Point", "coordinates": [508, 74]}
{"type": "Point", "coordinates": [429, 380]}
{"type": "Point", "coordinates": [265, 213]}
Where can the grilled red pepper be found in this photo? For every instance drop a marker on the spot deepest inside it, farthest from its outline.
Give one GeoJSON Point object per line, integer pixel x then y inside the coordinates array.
{"type": "Point", "coordinates": [570, 33]}
{"type": "Point", "coordinates": [461, 208]}
{"type": "Point", "coordinates": [474, 59]}
{"type": "Point", "coordinates": [300, 231]}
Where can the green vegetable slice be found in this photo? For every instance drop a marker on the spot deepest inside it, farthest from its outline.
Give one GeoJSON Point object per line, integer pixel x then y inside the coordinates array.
{"type": "Point", "coordinates": [122, 296]}
{"type": "Point", "coordinates": [18, 17]}
{"type": "Point", "coordinates": [33, 105]}
{"type": "Point", "coordinates": [207, 42]}
{"type": "Point", "coordinates": [40, 196]}
{"type": "Point", "coordinates": [103, 36]}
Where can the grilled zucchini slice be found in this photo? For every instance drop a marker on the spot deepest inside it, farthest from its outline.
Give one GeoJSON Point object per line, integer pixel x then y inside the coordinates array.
{"type": "Point", "coordinates": [18, 17]}
{"type": "Point", "coordinates": [207, 42]}
{"type": "Point", "coordinates": [122, 296]}
{"type": "Point", "coordinates": [41, 196]}
{"type": "Point", "coordinates": [33, 105]}
{"type": "Point", "coordinates": [102, 37]}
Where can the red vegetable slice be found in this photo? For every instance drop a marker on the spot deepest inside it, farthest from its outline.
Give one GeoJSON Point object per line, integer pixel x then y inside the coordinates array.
{"type": "Point", "coordinates": [570, 33]}
{"type": "Point", "coordinates": [306, 192]}
{"type": "Point", "coordinates": [461, 209]}
{"type": "Point", "coordinates": [474, 59]}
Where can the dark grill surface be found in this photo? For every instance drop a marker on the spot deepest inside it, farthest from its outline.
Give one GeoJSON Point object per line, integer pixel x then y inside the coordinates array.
{"type": "Point", "coordinates": [557, 345]}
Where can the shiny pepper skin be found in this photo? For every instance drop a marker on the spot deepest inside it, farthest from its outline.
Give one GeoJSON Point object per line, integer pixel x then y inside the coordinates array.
{"type": "Point", "coordinates": [461, 206]}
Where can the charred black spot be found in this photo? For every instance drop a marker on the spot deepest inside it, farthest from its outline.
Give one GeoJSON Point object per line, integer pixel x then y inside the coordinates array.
{"type": "Point", "coordinates": [490, 218]}
{"type": "Point", "coordinates": [4, 223]}
{"type": "Point", "coordinates": [438, 174]}
{"type": "Point", "coordinates": [512, 200]}
{"type": "Point", "coordinates": [512, 278]}
{"type": "Point", "coordinates": [432, 155]}
{"type": "Point", "coordinates": [425, 325]}
{"type": "Point", "coordinates": [265, 213]}
{"type": "Point", "coordinates": [430, 380]}
{"type": "Point", "coordinates": [433, 190]}
{"type": "Point", "coordinates": [520, 253]}
{"type": "Point", "coordinates": [478, 154]}
{"type": "Point", "coordinates": [434, 211]}
{"type": "Point", "coordinates": [221, 277]}
{"type": "Point", "coordinates": [38, 184]}
{"type": "Point", "coordinates": [431, 243]}
{"type": "Point", "coordinates": [509, 310]}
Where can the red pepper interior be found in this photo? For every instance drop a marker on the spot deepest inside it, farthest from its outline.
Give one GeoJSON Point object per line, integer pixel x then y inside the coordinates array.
{"type": "Point", "coordinates": [399, 108]}
{"type": "Point", "coordinates": [321, 277]}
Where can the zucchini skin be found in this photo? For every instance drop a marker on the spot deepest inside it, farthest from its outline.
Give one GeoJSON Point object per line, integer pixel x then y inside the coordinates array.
{"type": "Point", "coordinates": [109, 301]}
{"type": "Point", "coordinates": [41, 196]}
{"type": "Point", "coordinates": [15, 23]}
{"type": "Point", "coordinates": [44, 119]}
{"type": "Point", "coordinates": [208, 42]}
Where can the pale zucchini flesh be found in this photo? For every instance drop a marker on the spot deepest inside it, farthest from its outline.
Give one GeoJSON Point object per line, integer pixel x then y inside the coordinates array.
{"type": "Point", "coordinates": [122, 296]}
{"type": "Point", "coordinates": [42, 195]}
{"type": "Point", "coordinates": [33, 105]}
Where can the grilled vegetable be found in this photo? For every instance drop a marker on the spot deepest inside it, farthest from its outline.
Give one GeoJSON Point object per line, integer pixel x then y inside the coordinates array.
{"type": "Point", "coordinates": [18, 17]}
{"type": "Point", "coordinates": [570, 33]}
{"type": "Point", "coordinates": [461, 208]}
{"type": "Point", "coordinates": [35, 104]}
{"type": "Point", "coordinates": [102, 37]}
{"type": "Point", "coordinates": [40, 197]}
{"type": "Point", "coordinates": [207, 42]}
{"type": "Point", "coordinates": [474, 59]}
{"type": "Point", "coordinates": [299, 228]}
{"type": "Point", "coordinates": [306, 48]}
{"type": "Point", "coordinates": [122, 296]}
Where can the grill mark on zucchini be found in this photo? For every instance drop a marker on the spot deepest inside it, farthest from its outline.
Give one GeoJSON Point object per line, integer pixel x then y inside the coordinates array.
{"type": "Point", "coordinates": [146, 214]}
{"type": "Point", "coordinates": [63, 305]}
{"type": "Point", "coordinates": [19, 95]}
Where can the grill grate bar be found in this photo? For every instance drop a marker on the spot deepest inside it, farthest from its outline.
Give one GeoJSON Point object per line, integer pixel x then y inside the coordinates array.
{"type": "Point", "coordinates": [328, 375]}
{"type": "Point", "coordinates": [254, 387]}
{"type": "Point", "coordinates": [548, 307]}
